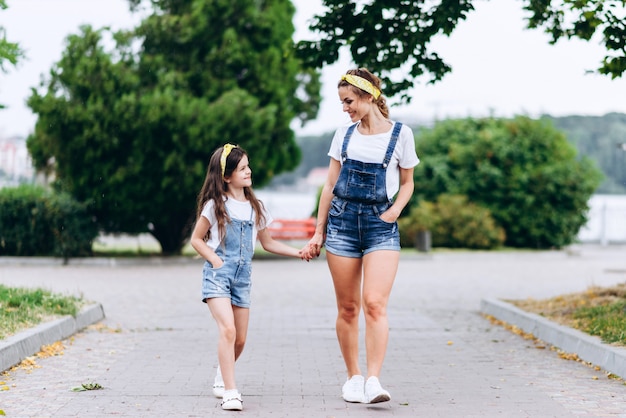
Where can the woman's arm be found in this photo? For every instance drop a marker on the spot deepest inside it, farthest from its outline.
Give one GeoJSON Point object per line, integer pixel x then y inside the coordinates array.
{"type": "Point", "coordinates": [403, 196]}
{"type": "Point", "coordinates": [317, 241]}
{"type": "Point", "coordinates": [197, 242]}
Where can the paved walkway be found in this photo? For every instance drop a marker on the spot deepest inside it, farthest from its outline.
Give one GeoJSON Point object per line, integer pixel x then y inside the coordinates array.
{"type": "Point", "coordinates": [155, 353]}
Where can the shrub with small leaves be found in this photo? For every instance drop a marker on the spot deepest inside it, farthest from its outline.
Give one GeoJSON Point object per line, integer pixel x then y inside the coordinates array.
{"type": "Point", "coordinates": [524, 171]}
{"type": "Point", "coordinates": [38, 222]}
{"type": "Point", "coordinates": [453, 222]}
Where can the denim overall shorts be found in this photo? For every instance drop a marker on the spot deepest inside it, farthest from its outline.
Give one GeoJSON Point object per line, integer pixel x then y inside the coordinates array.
{"type": "Point", "coordinates": [233, 279]}
{"type": "Point", "coordinates": [354, 226]}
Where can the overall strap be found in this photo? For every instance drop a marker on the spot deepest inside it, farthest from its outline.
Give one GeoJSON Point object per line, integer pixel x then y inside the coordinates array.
{"type": "Point", "coordinates": [392, 143]}
{"type": "Point", "coordinates": [346, 140]}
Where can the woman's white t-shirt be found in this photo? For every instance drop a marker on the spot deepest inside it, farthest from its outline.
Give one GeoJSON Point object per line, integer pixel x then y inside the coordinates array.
{"type": "Point", "coordinates": [237, 210]}
{"type": "Point", "coordinates": [372, 149]}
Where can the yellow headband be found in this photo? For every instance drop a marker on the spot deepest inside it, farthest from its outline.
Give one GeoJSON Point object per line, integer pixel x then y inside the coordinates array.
{"type": "Point", "coordinates": [362, 83]}
{"type": "Point", "coordinates": [225, 152]}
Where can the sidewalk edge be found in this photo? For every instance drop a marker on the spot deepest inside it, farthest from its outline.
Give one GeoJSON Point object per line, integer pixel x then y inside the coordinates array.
{"type": "Point", "coordinates": [588, 348]}
{"type": "Point", "coordinates": [17, 347]}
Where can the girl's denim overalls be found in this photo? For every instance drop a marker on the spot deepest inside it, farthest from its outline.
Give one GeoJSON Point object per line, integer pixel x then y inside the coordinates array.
{"type": "Point", "coordinates": [354, 226]}
{"type": "Point", "coordinates": [233, 279]}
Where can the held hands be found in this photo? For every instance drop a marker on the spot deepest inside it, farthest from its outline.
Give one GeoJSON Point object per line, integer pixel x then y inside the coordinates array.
{"type": "Point", "coordinates": [313, 247]}
{"type": "Point", "coordinates": [304, 255]}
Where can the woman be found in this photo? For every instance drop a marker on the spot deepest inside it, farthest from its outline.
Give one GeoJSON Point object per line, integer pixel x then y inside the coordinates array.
{"type": "Point", "coordinates": [371, 161]}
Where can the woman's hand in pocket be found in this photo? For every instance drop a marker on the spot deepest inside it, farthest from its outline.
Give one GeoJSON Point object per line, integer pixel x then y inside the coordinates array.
{"type": "Point", "coordinates": [390, 215]}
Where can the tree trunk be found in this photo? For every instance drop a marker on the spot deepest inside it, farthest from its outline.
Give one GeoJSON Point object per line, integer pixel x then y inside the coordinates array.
{"type": "Point", "coordinates": [172, 236]}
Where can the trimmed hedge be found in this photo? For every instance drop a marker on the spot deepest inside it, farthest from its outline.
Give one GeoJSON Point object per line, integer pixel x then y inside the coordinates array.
{"type": "Point", "coordinates": [37, 222]}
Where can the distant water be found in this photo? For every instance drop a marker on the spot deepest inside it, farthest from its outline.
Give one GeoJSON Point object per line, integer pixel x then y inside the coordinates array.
{"type": "Point", "coordinates": [607, 217]}
{"type": "Point", "coordinates": [607, 220]}
{"type": "Point", "coordinates": [606, 225]}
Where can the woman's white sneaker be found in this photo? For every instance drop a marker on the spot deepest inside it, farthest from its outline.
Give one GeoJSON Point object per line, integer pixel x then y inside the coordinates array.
{"type": "Point", "coordinates": [352, 390]}
{"type": "Point", "coordinates": [374, 392]}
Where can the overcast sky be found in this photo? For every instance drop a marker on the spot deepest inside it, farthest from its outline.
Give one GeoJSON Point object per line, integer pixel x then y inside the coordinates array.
{"type": "Point", "coordinates": [498, 67]}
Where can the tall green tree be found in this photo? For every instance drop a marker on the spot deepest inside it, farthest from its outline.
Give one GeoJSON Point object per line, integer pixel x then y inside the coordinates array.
{"type": "Point", "coordinates": [10, 52]}
{"type": "Point", "coordinates": [130, 130]}
{"type": "Point", "coordinates": [524, 171]}
{"type": "Point", "coordinates": [583, 19]}
{"type": "Point", "coordinates": [385, 35]}
{"type": "Point", "coordinates": [390, 35]}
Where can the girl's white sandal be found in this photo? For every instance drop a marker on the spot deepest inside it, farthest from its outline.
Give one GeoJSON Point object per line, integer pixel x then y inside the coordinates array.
{"type": "Point", "coordinates": [233, 403]}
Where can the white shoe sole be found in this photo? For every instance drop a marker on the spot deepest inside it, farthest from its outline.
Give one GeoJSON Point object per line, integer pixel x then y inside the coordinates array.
{"type": "Point", "coordinates": [382, 397]}
{"type": "Point", "coordinates": [232, 405]}
{"type": "Point", "coordinates": [354, 400]}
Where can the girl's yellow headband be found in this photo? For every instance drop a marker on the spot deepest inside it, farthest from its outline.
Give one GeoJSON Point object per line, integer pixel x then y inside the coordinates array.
{"type": "Point", "coordinates": [225, 152]}
{"type": "Point", "coordinates": [362, 83]}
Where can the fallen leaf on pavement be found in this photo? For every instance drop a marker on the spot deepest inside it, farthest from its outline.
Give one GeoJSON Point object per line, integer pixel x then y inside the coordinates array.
{"type": "Point", "coordinates": [86, 386]}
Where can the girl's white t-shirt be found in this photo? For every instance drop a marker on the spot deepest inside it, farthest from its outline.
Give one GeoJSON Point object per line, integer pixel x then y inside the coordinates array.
{"type": "Point", "coordinates": [237, 210]}
{"type": "Point", "coordinates": [372, 149]}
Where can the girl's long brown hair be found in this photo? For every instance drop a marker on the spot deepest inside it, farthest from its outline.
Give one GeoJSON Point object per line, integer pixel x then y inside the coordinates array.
{"type": "Point", "coordinates": [215, 188]}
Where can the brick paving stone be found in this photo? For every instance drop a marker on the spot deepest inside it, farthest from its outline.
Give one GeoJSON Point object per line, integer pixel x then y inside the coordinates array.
{"type": "Point", "coordinates": [154, 354]}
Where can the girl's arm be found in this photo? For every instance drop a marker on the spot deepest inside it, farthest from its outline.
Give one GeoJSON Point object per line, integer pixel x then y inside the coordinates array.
{"type": "Point", "coordinates": [277, 247]}
{"type": "Point", "coordinates": [403, 196]}
{"type": "Point", "coordinates": [197, 242]}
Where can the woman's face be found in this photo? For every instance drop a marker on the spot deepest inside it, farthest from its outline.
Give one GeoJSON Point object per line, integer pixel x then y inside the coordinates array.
{"type": "Point", "coordinates": [353, 104]}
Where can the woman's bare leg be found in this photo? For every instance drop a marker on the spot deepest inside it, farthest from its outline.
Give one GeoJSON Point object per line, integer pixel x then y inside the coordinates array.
{"type": "Point", "coordinates": [379, 272]}
{"type": "Point", "coordinates": [346, 274]}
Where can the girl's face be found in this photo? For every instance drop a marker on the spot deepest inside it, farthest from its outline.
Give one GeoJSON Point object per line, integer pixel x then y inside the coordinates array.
{"type": "Point", "coordinates": [242, 175]}
{"type": "Point", "coordinates": [353, 104]}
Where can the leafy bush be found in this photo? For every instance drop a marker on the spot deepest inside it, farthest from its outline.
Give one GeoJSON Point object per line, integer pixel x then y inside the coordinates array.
{"type": "Point", "coordinates": [35, 222]}
{"type": "Point", "coordinates": [453, 222]}
{"type": "Point", "coordinates": [524, 171]}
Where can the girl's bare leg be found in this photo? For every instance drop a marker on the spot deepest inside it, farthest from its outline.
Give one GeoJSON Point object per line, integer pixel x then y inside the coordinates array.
{"type": "Point", "coordinates": [242, 318]}
{"type": "Point", "coordinates": [232, 324]}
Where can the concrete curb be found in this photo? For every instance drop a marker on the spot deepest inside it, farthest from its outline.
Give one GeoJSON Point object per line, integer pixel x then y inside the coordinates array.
{"type": "Point", "coordinates": [17, 347]}
{"type": "Point", "coordinates": [97, 261]}
{"type": "Point", "coordinates": [150, 260]}
{"type": "Point", "coordinates": [588, 348]}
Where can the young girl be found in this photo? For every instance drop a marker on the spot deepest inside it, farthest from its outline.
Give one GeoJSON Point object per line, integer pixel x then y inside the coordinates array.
{"type": "Point", "coordinates": [229, 219]}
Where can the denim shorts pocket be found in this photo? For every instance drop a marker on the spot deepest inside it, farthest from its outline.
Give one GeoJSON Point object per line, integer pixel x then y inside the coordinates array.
{"type": "Point", "coordinates": [220, 267]}
{"type": "Point", "coordinates": [209, 266]}
{"type": "Point", "coordinates": [384, 221]}
{"type": "Point", "coordinates": [336, 208]}
{"type": "Point", "coordinates": [379, 216]}
{"type": "Point", "coordinates": [380, 209]}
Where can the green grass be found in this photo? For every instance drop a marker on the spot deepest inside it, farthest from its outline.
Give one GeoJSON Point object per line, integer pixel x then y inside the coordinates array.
{"type": "Point", "coordinates": [599, 311]}
{"type": "Point", "coordinates": [605, 321]}
{"type": "Point", "coordinates": [22, 308]}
